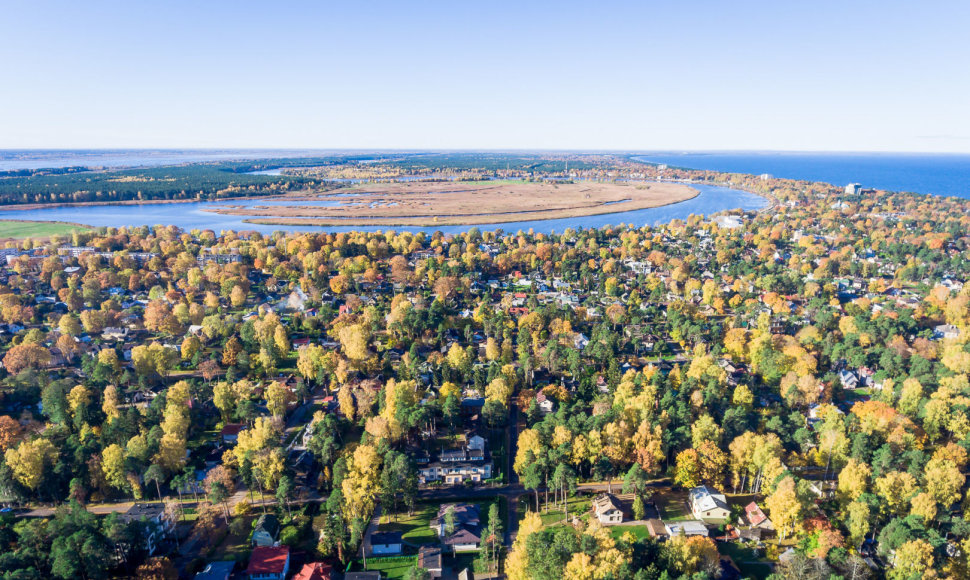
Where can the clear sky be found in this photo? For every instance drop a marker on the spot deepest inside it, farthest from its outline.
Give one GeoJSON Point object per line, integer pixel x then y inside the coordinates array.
{"type": "Point", "coordinates": [883, 75]}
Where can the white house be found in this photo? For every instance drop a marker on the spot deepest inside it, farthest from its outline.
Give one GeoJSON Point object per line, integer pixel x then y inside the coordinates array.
{"type": "Point", "coordinates": [708, 505]}
{"type": "Point", "coordinates": [385, 543]}
{"type": "Point", "coordinates": [607, 509]}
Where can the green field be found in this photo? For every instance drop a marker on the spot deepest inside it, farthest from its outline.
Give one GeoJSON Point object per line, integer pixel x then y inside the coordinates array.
{"type": "Point", "coordinates": [17, 229]}
{"type": "Point", "coordinates": [639, 532]}
{"type": "Point", "coordinates": [391, 568]}
{"type": "Point", "coordinates": [415, 528]}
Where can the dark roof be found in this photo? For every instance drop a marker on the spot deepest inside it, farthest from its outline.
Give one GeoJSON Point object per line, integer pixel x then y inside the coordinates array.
{"type": "Point", "coordinates": [385, 538]}
{"type": "Point", "coordinates": [429, 557]}
{"type": "Point", "coordinates": [268, 560]}
{"type": "Point", "coordinates": [362, 575]}
{"type": "Point", "coordinates": [269, 524]}
{"type": "Point", "coordinates": [462, 536]}
{"type": "Point", "coordinates": [143, 510]}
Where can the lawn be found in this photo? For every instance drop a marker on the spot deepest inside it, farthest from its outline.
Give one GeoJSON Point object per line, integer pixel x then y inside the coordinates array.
{"type": "Point", "coordinates": [751, 567]}
{"type": "Point", "coordinates": [24, 229]}
{"type": "Point", "coordinates": [579, 505]}
{"type": "Point", "coordinates": [415, 528]}
{"type": "Point", "coordinates": [672, 506]}
{"type": "Point", "coordinates": [392, 568]}
{"type": "Point", "coordinates": [639, 532]}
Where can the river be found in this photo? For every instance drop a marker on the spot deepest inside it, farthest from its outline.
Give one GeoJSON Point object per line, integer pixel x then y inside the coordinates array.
{"type": "Point", "coordinates": [191, 215]}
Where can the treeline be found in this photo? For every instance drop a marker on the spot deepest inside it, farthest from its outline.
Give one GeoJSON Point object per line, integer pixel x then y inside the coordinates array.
{"type": "Point", "coordinates": [181, 182]}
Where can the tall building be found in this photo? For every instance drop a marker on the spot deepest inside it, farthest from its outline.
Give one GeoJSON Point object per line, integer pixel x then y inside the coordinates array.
{"type": "Point", "coordinates": [853, 189]}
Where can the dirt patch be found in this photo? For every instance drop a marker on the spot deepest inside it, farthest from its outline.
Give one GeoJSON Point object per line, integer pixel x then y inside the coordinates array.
{"type": "Point", "coordinates": [461, 203]}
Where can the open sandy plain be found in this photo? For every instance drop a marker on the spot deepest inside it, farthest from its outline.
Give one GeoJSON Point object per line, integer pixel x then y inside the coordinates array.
{"type": "Point", "coordinates": [459, 203]}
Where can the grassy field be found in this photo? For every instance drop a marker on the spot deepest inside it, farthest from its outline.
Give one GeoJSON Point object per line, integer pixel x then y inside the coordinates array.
{"type": "Point", "coordinates": [415, 528]}
{"type": "Point", "coordinates": [639, 532]}
{"type": "Point", "coordinates": [392, 568]}
{"type": "Point", "coordinates": [672, 506]}
{"type": "Point", "coordinates": [18, 229]}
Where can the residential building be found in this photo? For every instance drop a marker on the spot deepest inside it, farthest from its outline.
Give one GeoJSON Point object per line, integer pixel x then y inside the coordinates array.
{"type": "Point", "coordinates": [266, 532]}
{"type": "Point", "coordinates": [269, 563]}
{"type": "Point", "coordinates": [464, 540]}
{"type": "Point", "coordinates": [708, 505]}
{"type": "Point", "coordinates": [755, 518]}
{"type": "Point", "coordinates": [686, 527]}
{"type": "Point", "coordinates": [607, 509]}
{"type": "Point", "coordinates": [463, 515]}
{"type": "Point", "coordinates": [315, 571]}
{"type": "Point", "coordinates": [455, 473]}
{"type": "Point", "coordinates": [429, 558]}
{"type": "Point", "coordinates": [158, 524]}
{"type": "Point", "coordinates": [386, 543]}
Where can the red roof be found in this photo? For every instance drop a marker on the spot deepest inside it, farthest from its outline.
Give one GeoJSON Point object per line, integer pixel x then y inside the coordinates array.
{"type": "Point", "coordinates": [755, 515]}
{"type": "Point", "coordinates": [232, 429]}
{"type": "Point", "coordinates": [314, 571]}
{"type": "Point", "coordinates": [268, 560]}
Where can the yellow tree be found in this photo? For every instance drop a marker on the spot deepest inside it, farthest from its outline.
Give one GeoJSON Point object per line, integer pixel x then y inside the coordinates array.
{"type": "Point", "coordinates": [113, 466]}
{"type": "Point", "coordinates": [28, 460]}
{"type": "Point", "coordinates": [854, 480]}
{"type": "Point", "coordinates": [175, 427]}
{"type": "Point", "coordinates": [785, 507]}
{"type": "Point", "coordinates": [517, 562]}
{"type": "Point", "coordinates": [360, 484]}
{"type": "Point", "coordinates": [944, 481]}
{"type": "Point", "coordinates": [914, 559]}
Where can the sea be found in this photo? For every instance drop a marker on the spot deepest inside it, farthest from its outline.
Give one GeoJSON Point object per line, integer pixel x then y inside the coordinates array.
{"type": "Point", "coordinates": [934, 174]}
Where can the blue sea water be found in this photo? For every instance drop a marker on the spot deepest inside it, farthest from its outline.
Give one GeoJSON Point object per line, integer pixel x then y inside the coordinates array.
{"type": "Point", "coordinates": [936, 174]}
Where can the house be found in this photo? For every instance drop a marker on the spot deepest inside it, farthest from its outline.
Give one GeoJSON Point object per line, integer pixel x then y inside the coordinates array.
{"type": "Point", "coordinates": [266, 532]}
{"type": "Point", "coordinates": [946, 331]}
{"type": "Point", "coordinates": [269, 563]}
{"type": "Point", "coordinates": [386, 543]}
{"type": "Point", "coordinates": [848, 379]}
{"type": "Point", "coordinates": [546, 405]}
{"type": "Point", "coordinates": [464, 515]}
{"type": "Point", "coordinates": [708, 505]}
{"type": "Point", "coordinates": [607, 509]}
{"type": "Point", "coordinates": [230, 433]}
{"type": "Point", "coordinates": [315, 571]}
{"type": "Point", "coordinates": [755, 517]}
{"type": "Point", "coordinates": [429, 558]}
{"type": "Point", "coordinates": [686, 527]}
{"type": "Point", "coordinates": [158, 524]}
{"type": "Point", "coordinates": [464, 540]}
{"type": "Point", "coordinates": [476, 442]}
{"type": "Point", "coordinates": [656, 528]}
{"type": "Point", "coordinates": [216, 571]}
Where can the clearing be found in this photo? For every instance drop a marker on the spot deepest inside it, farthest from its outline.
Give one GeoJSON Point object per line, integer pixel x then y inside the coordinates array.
{"type": "Point", "coordinates": [16, 229]}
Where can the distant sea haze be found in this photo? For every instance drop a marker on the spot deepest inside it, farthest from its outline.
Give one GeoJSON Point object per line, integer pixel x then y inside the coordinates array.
{"type": "Point", "coordinates": [936, 174]}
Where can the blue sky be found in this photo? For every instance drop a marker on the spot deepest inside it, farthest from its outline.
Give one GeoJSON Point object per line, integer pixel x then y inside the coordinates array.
{"type": "Point", "coordinates": [687, 75]}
